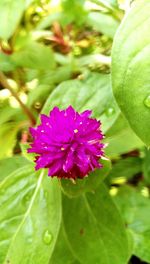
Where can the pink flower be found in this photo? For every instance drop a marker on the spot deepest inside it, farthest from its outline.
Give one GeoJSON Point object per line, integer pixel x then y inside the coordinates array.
{"type": "Point", "coordinates": [68, 143]}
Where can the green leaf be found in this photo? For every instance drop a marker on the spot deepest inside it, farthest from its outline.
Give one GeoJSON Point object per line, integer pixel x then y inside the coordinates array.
{"type": "Point", "coordinates": [8, 134]}
{"type": "Point", "coordinates": [88, 184]}
{"type": "Point", "coordinates": [93, 92]}
{"type": "Point", "coordinates": [130, 68]}
{"type": "Point", "coordinates": [103, 23]}
{"type": "Point", "coordinates": [47, 81]}
{"type": "Point", "coordinates": [30, 205]}
{"type": "Point", "coordinates": [39, 93]}
{"type": "Point", "coordinates": [95, 59]}
{"type": "Point", "coordinates": [71, 12]}
{"type": "Point", "coordinates": [117, 138]}
{"type": "Point", "coordinates": [49, 20]}
{"type": "Point", "coordinates": [7, 112]}
{"type": "Point", "coordinates": [62, 253]}
{"type": "Point", "coordinates": [122, 143]}
{"type": "Point", "coordinates": [10, 164]}
{"type": "Point", "coordinates": [146, 166]}
{"type": "Point", "coordinates": [35, 56]}
{"type": "Point", "coordinates": [108, 4]}
{"type": "Point", "coordinates": [63, 73]}
{"type": "Point", "coordinates": [6, 63]}
{"type": "Point", "coordinates": [11, 12]}
{"type": "Point", "coordinates": [135, 209]}
{"type": "Point", "coordinates": [126, 168]}
{"type": "Point", "coordinates": [24, 148]}
{"type": "Point", "coordinates": [94, 229]}
{"type": "Point", "coordinates": [119, 125]}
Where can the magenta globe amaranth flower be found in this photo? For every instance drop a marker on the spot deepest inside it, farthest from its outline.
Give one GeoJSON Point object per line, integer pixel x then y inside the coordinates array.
{"type": "Point", "coordinates": [68, 143]}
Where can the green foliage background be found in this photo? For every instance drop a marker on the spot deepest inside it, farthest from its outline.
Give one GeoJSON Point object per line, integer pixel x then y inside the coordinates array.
{"type": "Point", "coordinates": [91, 55]}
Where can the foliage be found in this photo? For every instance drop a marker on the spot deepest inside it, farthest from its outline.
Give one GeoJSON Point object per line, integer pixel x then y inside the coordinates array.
{"type": "Point", "coordinates": [58, 53]}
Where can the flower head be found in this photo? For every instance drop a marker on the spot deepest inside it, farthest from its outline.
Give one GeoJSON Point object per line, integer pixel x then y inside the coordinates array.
{"type": "Point", "coordinates": [68, 143]}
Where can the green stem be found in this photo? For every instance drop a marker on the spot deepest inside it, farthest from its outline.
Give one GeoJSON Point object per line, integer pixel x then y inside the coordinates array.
{"type": "Point", "coordinates": [5, 83]}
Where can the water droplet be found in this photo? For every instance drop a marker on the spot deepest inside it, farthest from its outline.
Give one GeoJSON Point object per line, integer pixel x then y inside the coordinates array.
{"type": "Point", "coordinates": [110, 111]}
{"type": "Point", "coordinates": [37, 105]}
{"type": "Point", "coordinates": [147, 101]}
{"type": "Point", "coordinates": [47, 238]}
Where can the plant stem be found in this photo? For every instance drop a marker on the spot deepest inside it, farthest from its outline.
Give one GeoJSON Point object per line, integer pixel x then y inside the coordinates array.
{"type": "Point", "coordinates": [5, 83]}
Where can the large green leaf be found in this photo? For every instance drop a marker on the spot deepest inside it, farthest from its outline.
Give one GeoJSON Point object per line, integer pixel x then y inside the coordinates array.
{"type": "Point", "coordinates": [8, 113]}
{"type": "Point", "coordinates": [89, 183]}
{"type": "Point", "coordinates": [6, 64]}
{"type": "Point", "coordinates": [94, 229]}
{"type": "Point", "coordinates": [62, 253]}
{"type": "Point", "coordinates": [116, 138]}
{"type": "Point", "coordinates": [8, 165]}
{"type": "Point", "coordinates": [35, 56]}
{"type": "Point", "coordinates": [123, 142]}
{"type": "Point", "coordinates": [127, 168]}
{"type": "Point", "coordinates": [130, 68]}
{"type": "Point", "coordinates": [11, 12]}
{"type": "Point", "coordinates": [93, 92]}
{"type": "Point", "coordinates": [47, 80]}
{"type": "Point", "coordinates": [135, 209]}
{"type": "Point", "coordinates": [103, 23]}
{"type": "Point", "coordinates": [30, 206]}
{"type": "Point", "coordinates": [8, 134]}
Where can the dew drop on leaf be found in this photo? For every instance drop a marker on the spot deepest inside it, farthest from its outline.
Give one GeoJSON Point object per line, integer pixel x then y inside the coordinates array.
{"type": "Point", "coordinates": [110, 111]}
{"type": "Point", "coordinates": [147, 101]}
{"type": "Point", "coordinates": [47, 237]}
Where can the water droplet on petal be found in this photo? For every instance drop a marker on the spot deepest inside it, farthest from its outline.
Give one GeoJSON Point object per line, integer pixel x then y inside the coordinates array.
{"type": "Point", "coordinates": [47, 238]}
{"type": "Point", "coordinates": [110, 111]}
{"type": "Point", "coordinates": [147, 101]}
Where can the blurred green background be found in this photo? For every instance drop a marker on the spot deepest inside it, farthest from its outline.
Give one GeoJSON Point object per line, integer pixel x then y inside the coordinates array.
{"type": "Point", "coordinates": [58, 52]}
